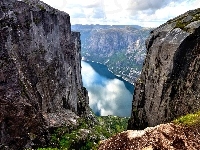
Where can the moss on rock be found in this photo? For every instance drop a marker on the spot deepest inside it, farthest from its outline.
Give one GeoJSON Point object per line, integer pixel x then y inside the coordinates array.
{"type": "Point", "coordinates": [192, 119]}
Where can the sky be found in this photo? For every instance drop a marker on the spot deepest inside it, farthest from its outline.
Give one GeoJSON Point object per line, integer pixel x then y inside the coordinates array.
{"type": "Point", "coordinates": [146, 13]}
{"type": "Point", "coordinates": [106, 96]}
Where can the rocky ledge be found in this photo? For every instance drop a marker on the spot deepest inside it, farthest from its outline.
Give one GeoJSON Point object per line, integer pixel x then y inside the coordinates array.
{"type": "Point", "coordinates": [162, 137]}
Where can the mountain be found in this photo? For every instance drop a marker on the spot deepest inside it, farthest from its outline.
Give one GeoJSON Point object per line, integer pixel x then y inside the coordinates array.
{"type": "Point", "coordinates": [170, 80]}
{"type": "Point", "coordinates": [40, 73]}
{"type": "Point", "coordinates": [120, 47]}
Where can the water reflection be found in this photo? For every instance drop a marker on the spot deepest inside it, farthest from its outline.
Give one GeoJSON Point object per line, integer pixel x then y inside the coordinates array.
{"type": "Point", "coordinates": [108, 95]}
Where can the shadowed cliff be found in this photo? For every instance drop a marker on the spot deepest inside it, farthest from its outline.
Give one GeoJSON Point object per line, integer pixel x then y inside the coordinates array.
{"type": "Point", "coordinates": [169, 83]}
{"type": "Point", "coordinates": [40, 73]}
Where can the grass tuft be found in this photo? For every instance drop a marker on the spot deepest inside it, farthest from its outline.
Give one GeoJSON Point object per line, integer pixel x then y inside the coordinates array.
{"type": "Point", "coordinates": [189, 119]}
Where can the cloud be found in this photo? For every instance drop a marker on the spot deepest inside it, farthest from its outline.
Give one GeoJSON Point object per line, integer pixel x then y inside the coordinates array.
{"type": "Point", "coordinates": [149, 13]}
{"type": "Point", "coordinates": [148, 6]}
{"type": "Point", "coordinates": [98, 13]}
{"type": "Point", "coordinates": [79, 13]}
{"type": "Point", "coordinates": [106, 96]}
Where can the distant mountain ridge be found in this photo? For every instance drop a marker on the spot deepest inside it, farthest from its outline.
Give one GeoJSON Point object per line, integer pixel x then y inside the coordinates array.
{"type": "Point", "coordinates": [120, 47]}
{"type": "Point", "coordinates": [98, 26]}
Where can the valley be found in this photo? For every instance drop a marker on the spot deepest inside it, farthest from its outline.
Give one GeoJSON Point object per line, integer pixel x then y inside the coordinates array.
{"type": "Point", "coordinates": [55, 97]}
{"type": "Point", "coordinates": [120, 47]}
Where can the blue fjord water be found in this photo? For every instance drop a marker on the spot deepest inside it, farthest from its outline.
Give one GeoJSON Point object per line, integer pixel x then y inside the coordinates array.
{"type": "Point", "coordinates": [108, 93]}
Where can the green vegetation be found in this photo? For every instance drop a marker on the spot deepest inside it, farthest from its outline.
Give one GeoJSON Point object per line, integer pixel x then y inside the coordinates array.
{"type": "Point", "coordinates": [86, 135]}
{"type": "Point", "coordinates": [41, 7]}
{"type": "Point", "coordinates": [48, 149]}
{"type": "Point", "coordinates": [182, 22]}
{"type": "Point", "coordinates": [123, 60]}
{"type": "Point", "coordinates": [189, 119]}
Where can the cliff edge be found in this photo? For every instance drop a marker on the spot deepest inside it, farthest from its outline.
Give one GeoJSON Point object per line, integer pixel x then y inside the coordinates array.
{"type": "Point", "coordinates": [40, 73]}
{"type": "Point", "coordinates": [170, 80]}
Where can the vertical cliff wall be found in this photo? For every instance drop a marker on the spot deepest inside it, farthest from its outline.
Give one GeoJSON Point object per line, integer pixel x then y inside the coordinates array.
{"type": "Point", "coordinates": [170, 81]}
{"type": "Point", "coordinates": [40, 72]}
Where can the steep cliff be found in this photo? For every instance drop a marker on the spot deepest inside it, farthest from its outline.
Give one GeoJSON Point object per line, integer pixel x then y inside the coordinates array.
{"type": "Point", "coordinates": [170, 80]}
{"type": "Point", "coordinates": [120, 47]}
{"type": "Point", "coordinates": [40, 73]}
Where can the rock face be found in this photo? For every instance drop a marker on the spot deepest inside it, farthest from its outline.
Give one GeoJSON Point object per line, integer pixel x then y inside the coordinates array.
{"type": "Point", "coordinates": [116, 47]}
{"type": "Point", "coordinates": [170, 80]}
{"type": "Point", "coordinates": [40, 72]}
{"type": "Point", "coordinates": [162, 137]}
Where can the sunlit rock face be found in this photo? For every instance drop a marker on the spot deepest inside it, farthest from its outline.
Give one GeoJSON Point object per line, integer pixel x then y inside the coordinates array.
{"type": "Point", "coordinates": [40, 72]}
{"type": "Point", "coordinates": [169, 83]}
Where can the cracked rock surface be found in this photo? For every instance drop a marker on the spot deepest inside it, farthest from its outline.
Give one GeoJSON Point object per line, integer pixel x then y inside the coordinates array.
{"type": "Point", "coordinates": [40, 73]}
{"type": "Point", "coordinates": [169, 83]}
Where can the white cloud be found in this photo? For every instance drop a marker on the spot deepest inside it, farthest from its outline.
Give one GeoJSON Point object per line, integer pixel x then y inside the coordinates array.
{"type": "Point", "coordinates": [149, 13]}
{"type": "Point", "coordinates": [106, 96]}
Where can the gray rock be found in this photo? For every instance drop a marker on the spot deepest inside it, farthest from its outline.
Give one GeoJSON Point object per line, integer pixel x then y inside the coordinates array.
{"type": "Point", "coordinates": [187, 19]}
{"type": "Point", "coordinates": [193, 25]}
{"type": "Point", "coordinates": [169, 83]}
{"type": "Point", "coordinates": [40, 72]}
